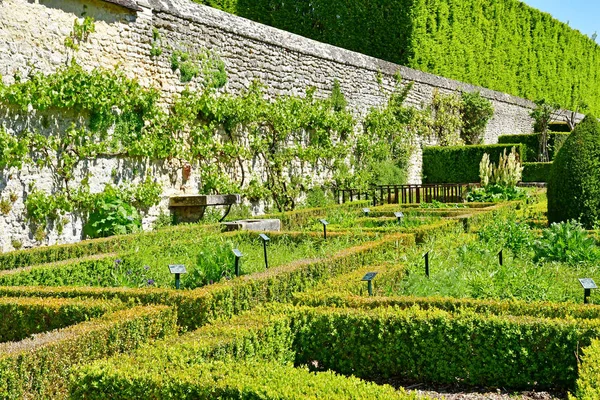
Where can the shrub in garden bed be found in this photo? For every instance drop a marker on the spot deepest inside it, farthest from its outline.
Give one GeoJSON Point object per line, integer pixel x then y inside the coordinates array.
{"type": "Point", "coordinates": [343, 297]}
{"type": "Point", "coordinates": [40, 367]}
{"type": "Point", "coordinates": [588, 384]}
{"type": "Point", "coordinates": [536, 172]}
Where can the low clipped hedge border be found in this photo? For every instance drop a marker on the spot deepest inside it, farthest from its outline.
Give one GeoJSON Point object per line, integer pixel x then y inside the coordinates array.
{"type": "Point", "coordinates": [536, 172]}
{"type": "Point", "coordinates": [50, 254]}
{"type": "Point", "coordinates": [532, 143]}
{"type": "Point", "coordinates": [229, 380]}
{"type": "Point", "coordinates": [588, 382]}
{"type": "Point", "coordinates": [40, 367]}
{"type": "Point", "coordinates": [23, 317]}
{"type": "Point", "coordinates": [441, 347]}
{"type": "Point", "coordinates": [516, 308]}
{"type": "Point", "coordinates": [84, 272]}
{"type": "Point", "coordinates": [429, 345]}
{"type": "Point", "coordinates": [231, 348]}
{"type": "Point", "coordinates": [460, 164]}
{"type": "Point", "coordinates": [197, 307]}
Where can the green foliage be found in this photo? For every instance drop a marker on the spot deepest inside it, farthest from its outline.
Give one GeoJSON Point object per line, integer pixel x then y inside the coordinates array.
{"type": "Point", "coordinates": [187, 67]}
{"type": "Point", "coordinates": [41, 368]}
{"type": "Point", "coordinates": [283, 132]}
{"type": "Point", "coordinates": [588, 387]}
{"type": "Point", "coordinates": [501, 45]}
{"type": "Point", "coordinates": [13, 151]}
{"type": "Point", "coordinates": [459, 164]}
{"type": "Point", "coordinates": [110, 210]}
{"type": "Point", "coordinates": [25, 317]}
{"type": "Point", "coordinates": [111, 216]}
{"type": "Point", "coordinates": [5, 206]}
{"type": "Point", "coordinates": [542, 115]}
{"type": "Point", "coordinates": [532, 143]}
{"type": "Point", "coordinates": [515, 352]}
{"type": "Point", "coordinates": [442, 119]}
{"type": "Point", "coordinates": [204, 64]}
{"type": "Point", "coordinates": [338, 100]}
{"type": "Point", "coordinates": [507, 233]}
{"type": "Point", "coordinates": [536, 172]}
{"type": "Point", "coordinates": [476, 111]}
{"type": "Point", "coordinates": [574, 184]}
{"type": "Point", "coordinates": [495, 193]}
{"type": "Point", "coordinates": [227, 380]}
{"type": "Point", "coordinates": [80, 33]}
{"type": "Point", "coordinates": [155, 50]}
{"type": "Point", "coordinates": [213, 263]}
{"type": "Point", "coordinates": [566, 242]}
{"type": "Point", "coordinates": [318, 197]}
{"type": "Point", "coordinates": [382, 153]}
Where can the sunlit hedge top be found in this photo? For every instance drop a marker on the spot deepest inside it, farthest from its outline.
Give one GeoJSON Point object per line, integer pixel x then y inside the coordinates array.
{"type": "Point", "coordinates": [503, 45]}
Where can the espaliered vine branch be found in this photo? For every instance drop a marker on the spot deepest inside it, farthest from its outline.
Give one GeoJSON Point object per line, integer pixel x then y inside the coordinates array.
{"type": "Point", "coordinates": [229, 138]}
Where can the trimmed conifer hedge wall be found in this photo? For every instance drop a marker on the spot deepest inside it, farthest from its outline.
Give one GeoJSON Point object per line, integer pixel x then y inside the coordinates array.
{"type": "Point", "coordinates": [460, 164]}
{"type": "Point", "coordinates": [536, 172]}
{"type": "Point", "coordinates": [502, 45]}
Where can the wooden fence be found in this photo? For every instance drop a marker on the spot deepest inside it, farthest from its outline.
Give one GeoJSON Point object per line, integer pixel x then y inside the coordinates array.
{"type": "Point", "coordinates": [406, 194]}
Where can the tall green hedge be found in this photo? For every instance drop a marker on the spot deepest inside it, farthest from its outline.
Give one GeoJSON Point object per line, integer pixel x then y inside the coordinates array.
{"type": "Point", "coordinates": [460, 164]}
{"type": "Point", "coordinates": [531, 141]}
{"type": "Point", "coordinates": [574, 184]}
{"type": "Point", "coordinates": [536, 172]}
{"type": "Point", "coordinates": [499, 44]}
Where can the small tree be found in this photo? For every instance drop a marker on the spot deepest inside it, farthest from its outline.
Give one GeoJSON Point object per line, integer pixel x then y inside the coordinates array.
{"type": "Point", "coordinates": [542, 114]}
{"type": "Point", "coordinates": [476, 112]}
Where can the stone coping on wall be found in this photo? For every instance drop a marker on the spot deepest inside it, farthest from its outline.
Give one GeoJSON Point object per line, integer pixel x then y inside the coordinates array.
{"type": "Point", "coordinates": [129, 4]}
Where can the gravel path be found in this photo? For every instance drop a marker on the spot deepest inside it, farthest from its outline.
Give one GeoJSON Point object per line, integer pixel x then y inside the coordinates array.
{"type": "Point", "coordinates": [457, 392]}
{"type": "Point", "coordinates": [488, 395]}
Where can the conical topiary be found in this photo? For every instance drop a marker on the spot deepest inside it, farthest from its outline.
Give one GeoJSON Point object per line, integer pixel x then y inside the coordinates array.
{"type": "Point", "coordinates": [574, 183]}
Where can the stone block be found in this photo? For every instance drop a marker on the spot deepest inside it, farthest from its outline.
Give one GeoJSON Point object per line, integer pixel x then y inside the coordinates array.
{"type": "Point", "coordinates": [254, 225]}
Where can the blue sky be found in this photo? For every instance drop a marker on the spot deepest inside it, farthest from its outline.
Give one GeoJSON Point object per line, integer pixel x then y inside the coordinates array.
{"type": "Point", "coordinates": [583, 15]}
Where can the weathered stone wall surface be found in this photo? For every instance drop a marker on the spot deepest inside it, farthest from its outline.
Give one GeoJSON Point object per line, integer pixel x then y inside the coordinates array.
{"type": "Point", "coordinates": [32, 34]}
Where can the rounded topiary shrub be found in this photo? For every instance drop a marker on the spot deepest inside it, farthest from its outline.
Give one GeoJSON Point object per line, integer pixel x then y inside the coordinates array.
{"type": "Point", "coordinates": [574, 183]}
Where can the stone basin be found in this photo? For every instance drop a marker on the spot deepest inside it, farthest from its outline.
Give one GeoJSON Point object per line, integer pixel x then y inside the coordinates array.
{"type": "Point", "coordinates": [191, 207]}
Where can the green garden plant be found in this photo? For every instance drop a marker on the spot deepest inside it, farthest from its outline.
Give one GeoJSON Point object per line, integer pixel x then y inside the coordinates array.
{"type": "Point", "coordinates": [566, 242]}
{"type": "Point", "coordinates": [111, 215]}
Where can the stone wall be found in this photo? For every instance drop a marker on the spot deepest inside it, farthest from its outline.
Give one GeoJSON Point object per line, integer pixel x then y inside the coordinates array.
{"type": "Point", "coordinates": [32, 34]}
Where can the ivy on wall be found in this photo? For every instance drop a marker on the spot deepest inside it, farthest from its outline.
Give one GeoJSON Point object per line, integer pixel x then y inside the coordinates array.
{"type": "Point", "coordinates": [503, 45]}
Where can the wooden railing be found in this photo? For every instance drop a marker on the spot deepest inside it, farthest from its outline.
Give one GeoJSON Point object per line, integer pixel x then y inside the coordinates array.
{"type": "Point", "coordinates": [407, 194]}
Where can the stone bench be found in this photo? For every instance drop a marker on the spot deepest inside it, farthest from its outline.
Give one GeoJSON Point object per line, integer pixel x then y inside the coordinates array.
{"type": "Point", "coordinates": [191, 208]}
